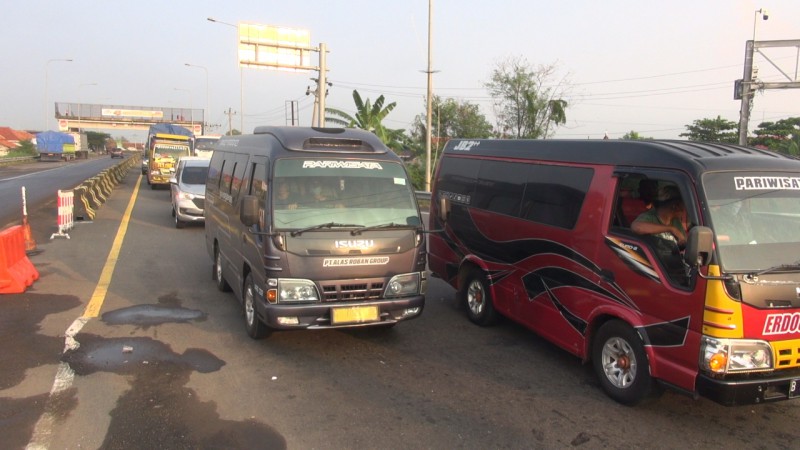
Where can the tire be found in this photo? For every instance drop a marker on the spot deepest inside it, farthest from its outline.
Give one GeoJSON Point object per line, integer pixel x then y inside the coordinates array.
{"type": "Point", "coordinates": [256, 329]}
{"type": "Point", "coordinates": [476, 297]}
{"type": "Point", "coordinates": [219, 278]}
{"type": "Point", "coordinates": [621, 364]}
{"type": "Point", "coordinates": [178, 222]}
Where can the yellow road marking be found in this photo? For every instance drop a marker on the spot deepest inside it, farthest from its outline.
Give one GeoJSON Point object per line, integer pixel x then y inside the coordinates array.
{"type": "Point", "coordinates": [99, 295]}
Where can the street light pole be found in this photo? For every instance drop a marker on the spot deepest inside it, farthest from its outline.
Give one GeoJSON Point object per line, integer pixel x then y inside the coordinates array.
{"type": "Point", "coordinates": [241, 76]}
{"type": "Point", "coordinates": [428, 121]}
{"type": "Point", "coordinates": [208, 107]}
{"type": "Point", "coordinates": [46, 65]}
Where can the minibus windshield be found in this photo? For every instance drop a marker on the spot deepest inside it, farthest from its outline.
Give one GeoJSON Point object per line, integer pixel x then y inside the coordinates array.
{"type": "Point", "coordinates": [755, 217]}
{"type": "Point", "coordinates": [309, 192]}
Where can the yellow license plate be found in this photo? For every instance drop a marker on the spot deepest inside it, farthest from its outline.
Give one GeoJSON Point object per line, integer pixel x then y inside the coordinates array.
{"type": "Point", "coordinates": [354, 314]}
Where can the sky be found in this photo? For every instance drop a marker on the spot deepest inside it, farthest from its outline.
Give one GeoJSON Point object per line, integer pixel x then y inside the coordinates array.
{"type": "Point", "coordinates": [649, 67]}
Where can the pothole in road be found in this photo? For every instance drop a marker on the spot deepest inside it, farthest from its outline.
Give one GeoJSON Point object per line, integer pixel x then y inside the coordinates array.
{"type": "Point", "coordinates": [149, 315]}
{"type": "Point", "coordinates": [159, 411]}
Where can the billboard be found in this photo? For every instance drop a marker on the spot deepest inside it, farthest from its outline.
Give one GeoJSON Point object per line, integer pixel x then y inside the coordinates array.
{"type": "Point", "coordinates": [277, 48]}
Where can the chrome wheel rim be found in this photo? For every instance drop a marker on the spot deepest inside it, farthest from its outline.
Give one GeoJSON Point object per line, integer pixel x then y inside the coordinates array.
{"type": "Point", "coordinates": [218, 267]}
{"type": "Point", "coordinates": [619, 363]}
{"type": "Point", "coordinates": [249, 307]}
{"type": "Point", "coordinates": [475, 297]}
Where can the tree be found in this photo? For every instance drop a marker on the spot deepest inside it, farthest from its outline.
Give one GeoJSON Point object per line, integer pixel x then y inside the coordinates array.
{"type": "Point", "coordinates": [527, 103]}
{"type": "Point", "coordinates": [781, 136]}
{"type": "Point", "coordinates": [634, 136]}
{"type": "Point", "coordinates": [97, 140]}
{"type": "Point", "coordinates": [451, 119]}
{"type": "Point", "coordinates": [713, 130]}
{"type": "Point", "coordinates": [369, 116]}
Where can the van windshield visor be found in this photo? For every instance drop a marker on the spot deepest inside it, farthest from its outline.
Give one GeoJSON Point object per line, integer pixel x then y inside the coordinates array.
{"type": "Point", "coordinates": [310, 192]}
{"type": "Point", "coordinates": [755, 217]}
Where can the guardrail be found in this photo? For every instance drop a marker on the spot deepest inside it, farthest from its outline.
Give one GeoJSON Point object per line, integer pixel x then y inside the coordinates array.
{"type": "Point", "coordinates": [423, 199]}
{"type": "Point", "coordinates": [17, 159]}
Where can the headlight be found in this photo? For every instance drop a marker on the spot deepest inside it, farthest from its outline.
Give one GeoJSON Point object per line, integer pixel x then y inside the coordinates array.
{"type": "Point", "coordinates": [721, 356]}
{"type": "Point", "coordinates": [402, 285]}
{"type": "Point", "coordinates": [291, 290]}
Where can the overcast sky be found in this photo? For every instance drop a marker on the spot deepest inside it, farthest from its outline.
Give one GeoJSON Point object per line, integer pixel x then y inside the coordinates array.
{"type": "Point", "coordinates": [652, 67]}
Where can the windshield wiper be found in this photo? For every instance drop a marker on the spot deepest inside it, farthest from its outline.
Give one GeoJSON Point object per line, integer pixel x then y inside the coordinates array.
{"type": "Point", "coordinates": [793, 266]}
{"type": "Point", "coordinates": [324, 225]}
{"type": "Point", "coordinates": [378, 227]}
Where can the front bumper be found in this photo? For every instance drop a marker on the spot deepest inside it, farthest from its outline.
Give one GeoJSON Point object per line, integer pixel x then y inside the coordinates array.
{"type": "Point", "coordinates": [752, 391]}
{"type": "Point", "coordinates": [318, 315]}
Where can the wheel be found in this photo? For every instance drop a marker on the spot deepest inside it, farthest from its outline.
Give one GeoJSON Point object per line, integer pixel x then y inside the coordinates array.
{"type": "Point", "coordinates": [222, 285]}
{"type": "Point", "coordinates": [475, 295]}
{"type": "Point", "coordinates": [621, 365]}
{"type": "Point", "coordinates": [256, 329]}
{"type": "Point", "coordinates": [178, 222]}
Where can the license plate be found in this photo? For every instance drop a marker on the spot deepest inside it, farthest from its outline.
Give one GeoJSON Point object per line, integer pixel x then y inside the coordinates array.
{"type": "Point", "coordinates": [354, 314]}
{"type": "Point", "coordinates": [794, 388]}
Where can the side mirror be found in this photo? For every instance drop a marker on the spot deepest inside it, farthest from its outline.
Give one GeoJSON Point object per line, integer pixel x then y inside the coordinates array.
{"type": "Point", "coordinates": [173, 180]}
{"type": "Point", "coordinates": [699, 245]}
{"type": "Point", "coordinates": [444, 208]}
{"type": "Point", "coordinates": [249, 212]}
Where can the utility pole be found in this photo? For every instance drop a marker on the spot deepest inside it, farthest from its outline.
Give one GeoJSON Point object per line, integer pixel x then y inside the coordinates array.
{"type": "Point", "coordinates": [230, 113]}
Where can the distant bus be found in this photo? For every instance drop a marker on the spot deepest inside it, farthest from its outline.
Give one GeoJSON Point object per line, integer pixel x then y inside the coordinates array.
{"type": "Point", "coordinates": [204, 145]}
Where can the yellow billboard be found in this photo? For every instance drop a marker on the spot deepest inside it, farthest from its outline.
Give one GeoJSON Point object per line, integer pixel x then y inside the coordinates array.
{"type": "Point", "coordinates": [272, 47]}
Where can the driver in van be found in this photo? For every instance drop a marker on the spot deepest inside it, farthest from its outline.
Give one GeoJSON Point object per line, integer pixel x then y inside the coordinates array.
{"type": "Point", "coordinates": [665, 220]}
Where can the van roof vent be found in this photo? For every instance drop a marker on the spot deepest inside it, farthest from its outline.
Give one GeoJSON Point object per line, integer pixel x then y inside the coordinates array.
{"type": "Point", "coordinates": [338, 145]}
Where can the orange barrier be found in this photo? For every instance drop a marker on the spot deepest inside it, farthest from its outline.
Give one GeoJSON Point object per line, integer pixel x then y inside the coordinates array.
{"type": "Point", "coordinates": [16, 270]}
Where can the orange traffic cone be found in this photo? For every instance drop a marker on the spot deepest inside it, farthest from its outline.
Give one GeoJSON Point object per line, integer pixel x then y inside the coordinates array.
{"type": "Point", "coordinates": [30, 244]}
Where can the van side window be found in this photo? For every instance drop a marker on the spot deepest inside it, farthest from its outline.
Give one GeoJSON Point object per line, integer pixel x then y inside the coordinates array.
{"type": "Point", "coordinates": [227, 176]}
{"type": "Point", "coordinates": [499, 188]}
{"type": "Point", "coordinates": [644, 201]}
{"type": "Point", "coordinates": [214, 170]}
{"type": "Point", "coordinates": [554, 194]}
{"type": "Point", "coordinates": [238, 175]}
{"type": "Point", "coordinates": [259, 185]}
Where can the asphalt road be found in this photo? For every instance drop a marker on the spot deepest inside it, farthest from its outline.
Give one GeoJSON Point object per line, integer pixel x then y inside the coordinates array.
{"type": "Point", "coordinates": [42, 180]}
{"type": "Point", "coordinates": [167, 364]}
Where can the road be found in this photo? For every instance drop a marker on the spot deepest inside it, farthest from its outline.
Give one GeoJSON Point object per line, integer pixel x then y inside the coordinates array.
{"type": "Point", "coordinates": [167, 364]}
{"type": "Point", "coordinates": [42, 180]}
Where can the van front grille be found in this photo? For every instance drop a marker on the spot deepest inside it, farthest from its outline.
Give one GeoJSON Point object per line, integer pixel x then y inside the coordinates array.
{"type": "Point", "coordinates": [343, 292]}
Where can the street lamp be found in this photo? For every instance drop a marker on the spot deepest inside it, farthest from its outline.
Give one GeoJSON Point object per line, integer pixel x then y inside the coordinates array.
{"type": "Point", "coordinates": [764, 16]}
{"type": "Point", "coordinates": [46, 65]}
{"type": "Point", "coordinates": [80, 105]}
{"type": "Point", "coordinates": [208, 107]}
{"type": "Point", "coordinates": [191, 106]}
{"type": "Point", "coordinates": [241, 77]}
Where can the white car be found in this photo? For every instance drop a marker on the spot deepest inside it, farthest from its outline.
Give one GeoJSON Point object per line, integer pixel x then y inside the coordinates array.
{"type": "Point", "coordinates": [188, 188]}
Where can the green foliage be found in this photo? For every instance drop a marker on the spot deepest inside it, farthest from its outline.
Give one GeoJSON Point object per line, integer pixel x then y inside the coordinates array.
{"type": "Point", "coordinates": [416, 171]}
{"type": "Point", "coordinates": [233, 132]}
{"type": "Point", "coordinates": [713, 130]}
{"type": "Point", "coordinates": [369, 116]}
{"type": "Point", "coordinates": [634, 136]}
{"type": "Point", "coordinates": [97, 140]}
{"type": "Point", "coordinates": [529, 105]}
{"type": "Point", "coordinates": [25, 148]}
{"type": "Point", "coordinates": [449, 119]}
{"type": "Point", "coordinates": [781, 136]}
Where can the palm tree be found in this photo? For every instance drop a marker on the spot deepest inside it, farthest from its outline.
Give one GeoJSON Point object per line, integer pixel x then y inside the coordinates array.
{"type": "Point", "coordinates": [369, 116]}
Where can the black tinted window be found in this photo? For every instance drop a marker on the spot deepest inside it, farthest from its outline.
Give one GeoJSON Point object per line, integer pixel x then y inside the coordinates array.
{"type": "Point", "coordinates": [554, 194]}
{"type": "Point", "coordinates": [500, 187]}
{"type": "Point", "coordinates": [457, 178]}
